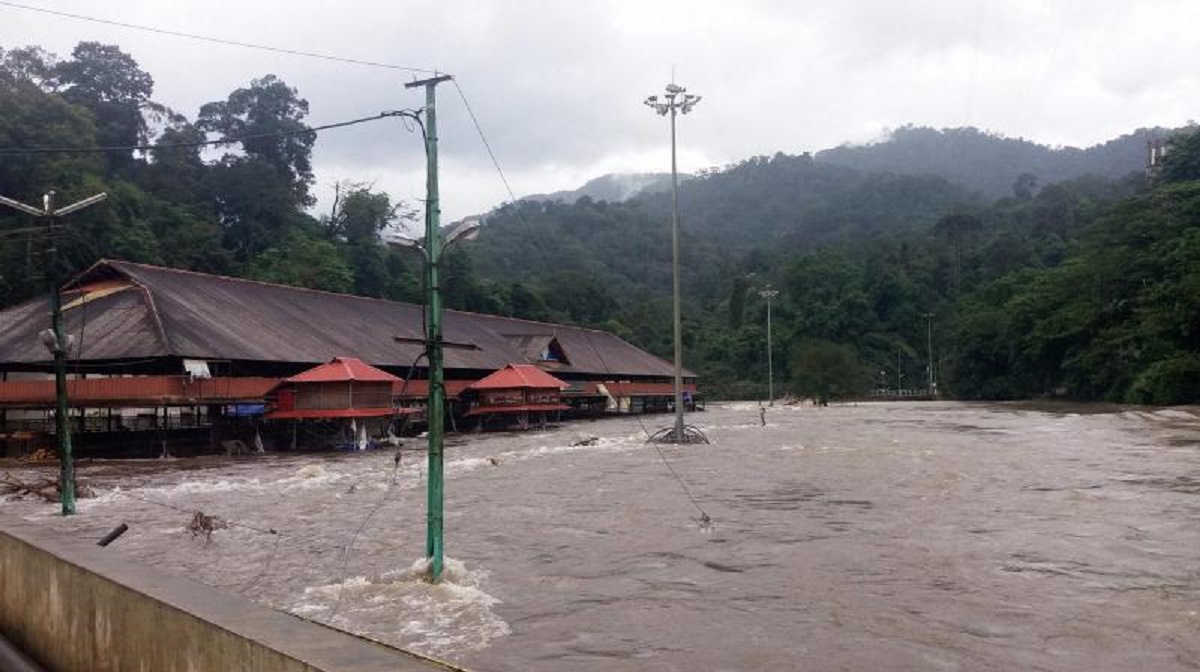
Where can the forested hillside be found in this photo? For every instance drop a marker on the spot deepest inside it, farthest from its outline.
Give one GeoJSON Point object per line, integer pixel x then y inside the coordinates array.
{"type": "Point", "coordinates": [1029, 283]}
{"type": "Point", "coordinates": [991, 163]}
{"type": "Point", "coordinates": [240, 212]}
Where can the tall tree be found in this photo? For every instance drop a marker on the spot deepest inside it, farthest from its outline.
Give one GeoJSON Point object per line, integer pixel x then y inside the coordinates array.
{"type": "Point", "coordinates": [268, 107]}
{"type": "Point", "coordinates": [110, 83]}
{"type": "Point", "coordinates": [360, 215]}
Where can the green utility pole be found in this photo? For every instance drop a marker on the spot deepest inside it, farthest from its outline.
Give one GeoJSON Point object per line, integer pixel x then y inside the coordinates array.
{"type": "Point", "coordinates": [435, 494]}
{"type": "Point", "coordinates": [62, 430]}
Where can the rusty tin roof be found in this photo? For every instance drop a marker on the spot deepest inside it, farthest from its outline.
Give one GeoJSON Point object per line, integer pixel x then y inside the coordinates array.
{"type": "Point", "coordinates": [124, 311]}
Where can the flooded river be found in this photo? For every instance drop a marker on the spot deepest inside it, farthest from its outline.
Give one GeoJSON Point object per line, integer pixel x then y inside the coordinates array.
{"type": "Point", "coordinates": [889, 536]}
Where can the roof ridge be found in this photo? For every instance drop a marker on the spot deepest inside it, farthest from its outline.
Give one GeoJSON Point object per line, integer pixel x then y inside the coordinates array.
{"type": "Point", "coordinates": [184, 271]}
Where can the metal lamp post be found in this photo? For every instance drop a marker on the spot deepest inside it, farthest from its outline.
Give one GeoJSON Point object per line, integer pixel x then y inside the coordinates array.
{"type": "Point", "coordinates": [769, 294]}
{"type": "Point", "coordinates": [929, 344]}
{"type": "Point", "coordinates": [674, 102]}
{"type": "Point", "coordinates": [58, 343]}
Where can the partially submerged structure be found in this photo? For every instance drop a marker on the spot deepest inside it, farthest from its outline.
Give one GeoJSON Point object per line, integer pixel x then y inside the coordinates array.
{"type": "Point", "coordinates": [518, 391]}
{"type": "Point", "coordinates": [356, 399]}
{"type": "Point", "coordinates": [342, 388]}
{"type": "Point", "coordinates": [163, 350]}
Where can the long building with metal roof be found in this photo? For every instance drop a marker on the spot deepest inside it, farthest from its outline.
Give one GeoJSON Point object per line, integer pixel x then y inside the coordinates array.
{"type": "Point", "coordinates": [181, 334]}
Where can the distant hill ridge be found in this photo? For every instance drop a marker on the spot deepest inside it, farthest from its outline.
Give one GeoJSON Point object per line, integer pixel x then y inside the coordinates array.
{"type": "Point", "coordinates": [783, 204]}
{"type": "Point", "coordinates": [613, 187]}
{"type": "Point", "coordinates": [989, 162]}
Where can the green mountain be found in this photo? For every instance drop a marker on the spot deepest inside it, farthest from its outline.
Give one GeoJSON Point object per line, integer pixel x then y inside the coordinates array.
{"type": "Point", "coordinates": [991, 163]}
{"type": "Point", "coordinates": [1029, 270]}
{"type": "Point", "coordinates": [614, 187]}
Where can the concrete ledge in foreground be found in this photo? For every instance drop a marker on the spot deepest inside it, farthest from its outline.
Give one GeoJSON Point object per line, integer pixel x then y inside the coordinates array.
{"type": "Point", "coordinates": [75, 607]}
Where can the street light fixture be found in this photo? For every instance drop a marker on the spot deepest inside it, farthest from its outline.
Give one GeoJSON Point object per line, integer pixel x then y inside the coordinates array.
{"type": "Point", "coordinates": [674, 102]}
{"type": "Point", "coordinates": [929, 344]}
{"type": "Point", "coordinates": [769, 294]}
{"type": "Point", "coordinates": [57, 343]}
{"type": "Point", "coordinates": [464, 230]}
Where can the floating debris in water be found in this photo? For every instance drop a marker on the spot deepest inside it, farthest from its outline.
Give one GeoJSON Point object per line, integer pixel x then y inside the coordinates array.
{"type": "Point", "coordinates": [206, 525]}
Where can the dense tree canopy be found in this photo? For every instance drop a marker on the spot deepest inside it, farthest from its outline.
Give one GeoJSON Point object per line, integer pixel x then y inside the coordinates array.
{"type": "Point", "coordinates": [244, 213]}
{"type": "Point", "coordinates": [1003, 269]}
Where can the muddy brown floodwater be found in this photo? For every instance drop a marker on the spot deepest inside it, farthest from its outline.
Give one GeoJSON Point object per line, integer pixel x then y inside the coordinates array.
{"type": "Point", "coordinates": [888, 536]}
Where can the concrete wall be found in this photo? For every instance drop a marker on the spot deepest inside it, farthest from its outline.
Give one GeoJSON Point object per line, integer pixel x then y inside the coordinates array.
{"type": "Point", "coordinates": [75, 607]}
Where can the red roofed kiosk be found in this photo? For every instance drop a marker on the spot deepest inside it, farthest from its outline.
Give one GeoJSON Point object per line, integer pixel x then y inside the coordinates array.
{"type": "Point", "coordinates": [343, 388]}
{"type": "Point", "coordinates": [517, 389]}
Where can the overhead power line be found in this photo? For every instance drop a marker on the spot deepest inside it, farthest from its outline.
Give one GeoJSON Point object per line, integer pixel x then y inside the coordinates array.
{"type": "Point", "coordinates": [199, 143]}
{"type": "Point", "coordinates": [479, 129]}
{"type": "Point", "coordinates": [217, 40]}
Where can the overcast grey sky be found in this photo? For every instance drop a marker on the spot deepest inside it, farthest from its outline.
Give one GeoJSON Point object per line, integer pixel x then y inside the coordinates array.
{"type": "Point", "coordinates": [558, 86]}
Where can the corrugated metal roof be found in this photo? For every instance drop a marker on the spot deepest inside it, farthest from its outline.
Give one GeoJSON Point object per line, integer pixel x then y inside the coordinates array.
{"type": "Point", "coordinates": [343, 369]}
{"type": "Point", "coordinates": [515, 376]}
{"type": "Point", "coordinates": [108, 325]}
{"type": "Point", "coordinates": [173, 313]}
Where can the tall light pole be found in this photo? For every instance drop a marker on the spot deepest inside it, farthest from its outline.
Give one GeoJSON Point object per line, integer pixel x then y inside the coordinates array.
{"type": "Point", "coordinates": [57, 341]}
{"type": "Point", "coordinates": [929, 344]}
{"type": "Point", "coordinates": [675, 101]}
{"type": "Point", "coordinates": [435, 406]}
{"type": "Point", "coordinates": [769, 294]}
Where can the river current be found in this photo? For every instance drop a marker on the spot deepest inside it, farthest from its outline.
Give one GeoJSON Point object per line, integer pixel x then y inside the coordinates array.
{"type": "Point", "coordinates": [879, 536]}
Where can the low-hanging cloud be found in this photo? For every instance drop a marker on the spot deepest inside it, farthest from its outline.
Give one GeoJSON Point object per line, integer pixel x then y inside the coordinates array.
{"type": "Point", "coordinates": [558, 86]}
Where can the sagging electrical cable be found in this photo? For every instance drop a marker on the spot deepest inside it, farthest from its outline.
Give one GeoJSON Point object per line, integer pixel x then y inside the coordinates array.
{"type": "Point", "coordinates": [10, 151]}
{"type": "Point", "coordinates": [703, 520]}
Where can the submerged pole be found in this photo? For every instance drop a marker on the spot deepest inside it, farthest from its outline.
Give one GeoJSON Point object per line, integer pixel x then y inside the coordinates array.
{"type": "Point", "coordinates": [62, 427]}
{"type": "Point", "coordinates": [435, 493]}
{"type": "Point", "coordinates": [675, 101]}
{"type": "Point", "coordinates": [676, 317]}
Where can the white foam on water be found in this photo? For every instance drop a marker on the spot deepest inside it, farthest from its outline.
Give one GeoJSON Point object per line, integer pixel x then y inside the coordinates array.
{"type": "Point", "coordinates": [312, 471]}
{"type": "Point", "coordinates": [741, 406]}
{"type": "Point", "coordinates": [400, 606]}
{"type": "Point", "coordinates": [311, 476]}
{"type": "Point", "coordinates": [754, 424]}
{"type": "Point", "coordinates": [610, 444]}
{"type": "Point", "coordinates": [108, 497]}
{"type": "Point", "coordinates": [201, 487]}
{"type": "Point", "coordinates": [1175, 414]}
{"type": "Point", "coordinates": [465, 464]}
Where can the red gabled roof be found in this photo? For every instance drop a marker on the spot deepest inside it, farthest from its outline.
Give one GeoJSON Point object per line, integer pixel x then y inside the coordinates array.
{"type": "Point", "coordinates": [519, 376]}
{"type": "Point", "coordinates": [343, 369]}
